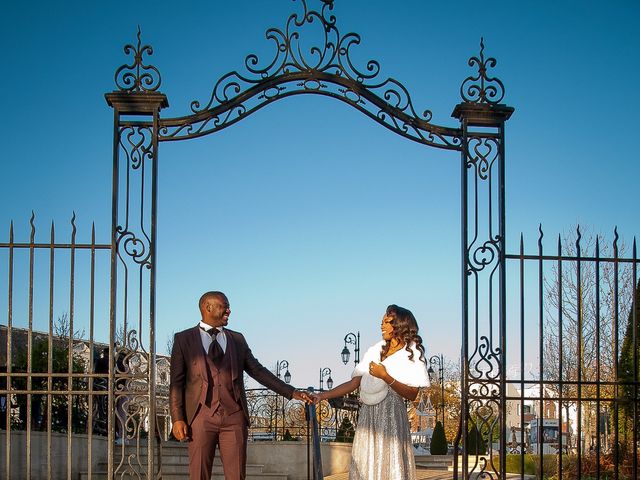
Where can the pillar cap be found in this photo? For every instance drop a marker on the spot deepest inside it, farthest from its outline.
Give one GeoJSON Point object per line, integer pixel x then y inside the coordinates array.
{"type": "Point", "coordinates": [482, 114]}
{"type": "Point", "coordinates": [136, 103]}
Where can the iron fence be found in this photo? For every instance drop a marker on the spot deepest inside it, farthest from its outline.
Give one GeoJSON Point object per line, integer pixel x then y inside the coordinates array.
{"type": "Point", "coordinates": [571, 382]}
{"type": "Point", "coordinates": [47, 380]}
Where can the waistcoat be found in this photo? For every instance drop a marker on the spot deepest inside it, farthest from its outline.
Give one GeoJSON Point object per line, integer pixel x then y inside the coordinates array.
{"type": "Point", "coordinates": [220, 391]}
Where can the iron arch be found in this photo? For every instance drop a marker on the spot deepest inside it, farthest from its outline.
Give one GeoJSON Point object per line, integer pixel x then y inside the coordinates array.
{"type": "Point", "coordinates": [324, 68]}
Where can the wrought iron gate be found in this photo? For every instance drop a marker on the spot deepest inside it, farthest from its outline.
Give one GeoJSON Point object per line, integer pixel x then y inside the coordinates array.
{"type": "Point", "coordinates": [325, 69]}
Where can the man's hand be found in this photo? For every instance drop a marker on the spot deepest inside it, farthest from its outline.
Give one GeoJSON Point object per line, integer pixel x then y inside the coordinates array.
{"type": "Point", "coordinates": [302, 395]}
{"type": "Point", "coordinates": [180, 430]}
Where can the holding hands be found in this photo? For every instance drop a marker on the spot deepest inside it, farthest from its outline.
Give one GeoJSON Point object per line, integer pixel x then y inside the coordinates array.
{"type": "Point", "coordinates": [317, 397]}
{"type": "Point", "coordinates": [303, 396]}
{"type": "Point", "coordinates": [377, 370]}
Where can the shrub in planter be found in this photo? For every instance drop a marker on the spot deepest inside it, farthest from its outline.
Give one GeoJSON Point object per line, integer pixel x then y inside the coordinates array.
{"type": "Point", "coordinates": [438, 441]}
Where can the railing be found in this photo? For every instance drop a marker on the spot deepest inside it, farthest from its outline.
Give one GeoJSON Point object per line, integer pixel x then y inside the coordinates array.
{"type": "Point", "coordinates": [276, 418]}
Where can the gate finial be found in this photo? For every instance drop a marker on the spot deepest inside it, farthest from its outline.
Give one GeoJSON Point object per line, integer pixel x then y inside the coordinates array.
{"type": "Point", "coordinates": [482, 88]}
{"type": "Point", "coordinates": [137, 76]}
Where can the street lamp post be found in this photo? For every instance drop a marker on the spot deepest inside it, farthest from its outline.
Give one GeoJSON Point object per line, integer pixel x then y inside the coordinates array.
{"type": "Point", "coordinates": [326, 371]}
{"type": "Point", "coordinates": [438, 360]}
{"type": "Point", "coordinates": [283, 365]}
{"type": "Point", "coordinates": [355, 340]}
{"type": "Point", "coordinates": [280, 366]}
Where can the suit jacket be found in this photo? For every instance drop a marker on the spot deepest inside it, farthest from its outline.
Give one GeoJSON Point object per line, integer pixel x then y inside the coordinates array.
{"type": "Point", "coordinates": [189, 382]}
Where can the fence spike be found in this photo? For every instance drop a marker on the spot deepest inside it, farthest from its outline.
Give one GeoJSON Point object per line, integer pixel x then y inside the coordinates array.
{"type": "Point", "coordinates": [33, 226]}
{"type": "Point", "coordinates": [540, 236]}
{"type": "Point", "coordinates": [73, 227]}
{"type": "Point", "coordinates": [578, 239]}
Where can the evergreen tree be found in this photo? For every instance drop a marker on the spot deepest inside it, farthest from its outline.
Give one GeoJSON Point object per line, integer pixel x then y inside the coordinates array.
{"type": "Point", "coordinates": [626, 372]}
{"type": "Point", "coordinates": [476, 444]}
{"type": "Point", "coordinates": [59, 403]}
{"type": "Point", "coordinates": [438, 441]}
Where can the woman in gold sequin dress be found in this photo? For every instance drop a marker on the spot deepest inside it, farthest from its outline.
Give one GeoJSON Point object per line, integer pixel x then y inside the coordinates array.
{"type": "Point", "coordinates": [392, 370]}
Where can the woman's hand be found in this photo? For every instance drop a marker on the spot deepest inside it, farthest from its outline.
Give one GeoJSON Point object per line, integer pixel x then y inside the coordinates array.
{"type": "Point", "coordinates": [316, 398]}
{"type": "Point", "coordinates": [378, 370]}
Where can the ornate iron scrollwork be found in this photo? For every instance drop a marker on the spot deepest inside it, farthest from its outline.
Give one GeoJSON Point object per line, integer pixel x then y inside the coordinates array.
{"type": "Point", "coordinates": [486, 366]}
{"type": "Point", "coordinates": [324, 68]}
{"type": "Point", "coordinates": [138, 76]}
{"type": "Point", "coordinates": [482, 88]}
{"type": "Point", "coordinates": [136, 143]}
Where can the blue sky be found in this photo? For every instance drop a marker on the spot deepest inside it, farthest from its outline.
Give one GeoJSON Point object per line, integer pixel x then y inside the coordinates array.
{"type": "Point", "coordinates": [309, 215]}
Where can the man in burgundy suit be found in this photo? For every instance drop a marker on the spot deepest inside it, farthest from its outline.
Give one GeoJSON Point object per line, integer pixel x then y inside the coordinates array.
{"type": "Point", "coordinates": [207, 398]}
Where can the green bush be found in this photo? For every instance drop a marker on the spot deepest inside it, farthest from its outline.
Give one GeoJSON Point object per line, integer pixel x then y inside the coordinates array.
{"type": "Point", "coordinates": [438, 441]}
{"type": "Point", "coordinates": [589, 467]}
{"type": "Point", "coordinates": [532, 465]}
{"type": "Point", "coordinates": [514, 464]}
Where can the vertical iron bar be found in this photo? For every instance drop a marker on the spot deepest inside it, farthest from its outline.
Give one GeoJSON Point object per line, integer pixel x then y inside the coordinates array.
{"type": "Point", "coordinates": [616, 348]}
{"type": "Point", "coordinates": [307, 411]}
{"type": "Point", "coordinates": [597, 267]}
{"type": "Point", "coordinates": [540, 328]}
{"type": "Point", "coordinates": [50, 352]}
{"type": "Point", "coordinates": [114, 285]}
{"type": "Point", "coordinates": [502, 297]}
{"type": "Point", "coordinates": [9, 353]}
{"type": "Point", "coordinates": [277, 406]}
{"type": "Point", "coordinates": [30, 344]}
{"type": "Point", "coordinates": [522, 296]}
{"type": "Point", "coordinates": [72, 272]}
{"type": "Point", "coordinates": [91, 351]}
{"type": "Point", "coordinates": [634, 320]}
{"type": "Point", "coordinates": [560, 358]}
{"type": "Point", "coordinates": [152, 296]}
{"type": "Point", "coordinates": [579, 347]}
{"type": "Point", "coordinates": [465, 303]}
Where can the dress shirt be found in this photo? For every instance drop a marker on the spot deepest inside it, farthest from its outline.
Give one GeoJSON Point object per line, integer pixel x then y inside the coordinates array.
{"type": "Point", "coordinates": [206, 338]}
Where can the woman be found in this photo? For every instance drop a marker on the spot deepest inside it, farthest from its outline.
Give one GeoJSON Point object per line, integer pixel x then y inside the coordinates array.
{"type": "Point", "coordinates": [392, 370]}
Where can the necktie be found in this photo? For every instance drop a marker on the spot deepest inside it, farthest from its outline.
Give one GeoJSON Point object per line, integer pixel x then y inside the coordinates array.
{"type": "Point", "coordinates": [215, 350]}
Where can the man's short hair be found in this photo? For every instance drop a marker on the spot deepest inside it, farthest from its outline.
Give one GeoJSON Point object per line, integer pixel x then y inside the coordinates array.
{"type": "Point", "coordinates": [206, 296]}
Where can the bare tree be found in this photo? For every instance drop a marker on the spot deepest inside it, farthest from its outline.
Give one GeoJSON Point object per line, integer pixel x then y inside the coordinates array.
{"type": "Point", "coordinates": [169, 344]}
{"type": "Point", "coordinates": [583, 319]}
{"type": "Point", "coordinates": [62, 328]}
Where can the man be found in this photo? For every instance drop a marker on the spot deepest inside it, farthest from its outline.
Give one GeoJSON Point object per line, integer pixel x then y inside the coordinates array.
{"type": "Point", "coordinates": [207, 398]}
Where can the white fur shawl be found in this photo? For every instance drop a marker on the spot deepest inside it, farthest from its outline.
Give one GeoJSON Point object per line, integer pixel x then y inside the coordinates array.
{"type": "Point", "coordinates": [410, 372]}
